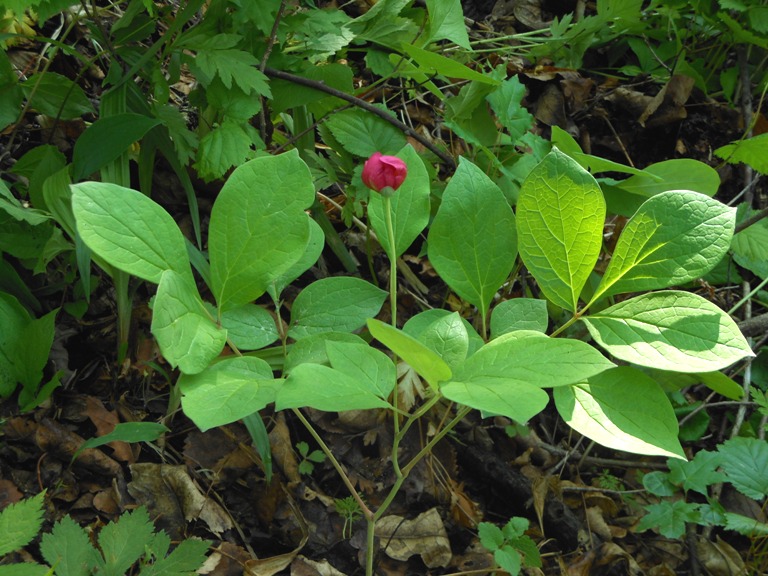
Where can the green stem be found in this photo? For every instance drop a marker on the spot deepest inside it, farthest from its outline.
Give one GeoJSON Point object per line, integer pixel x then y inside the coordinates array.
{"type": "Point", "coordinates": [392, 249]}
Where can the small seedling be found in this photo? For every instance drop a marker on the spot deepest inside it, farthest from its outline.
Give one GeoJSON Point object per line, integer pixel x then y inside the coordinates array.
{"type": "Point", "coordinates": [349, 509]}
{"type": "Point", "coordinates": [308, 459]}
{"type": "Point", "coordinates": [511, 547]}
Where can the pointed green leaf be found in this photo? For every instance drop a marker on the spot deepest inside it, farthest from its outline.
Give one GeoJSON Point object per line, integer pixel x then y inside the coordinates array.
{"type": "Point", "coordinates": [433, 63]}
{"type": "Point", "coordinates": [313, 349]}
{"type": "Point", "coordinates": [448, 337]}
{"type": "Point", "coordinates": [560, 218]}
{"type": "Point", "coordinates": [423, 322]}
{"type": "Point", "coordinates": [20, 523]}
{"type": "Point", "coordinates": [68, 548]}
{"type": "Point", "coordinates": [249, 327]}
{"type": "Point", "coordinates": [228, 144]}
{"type": "Point", "coordinates": [56, 96]}
{"type": "Point", "coordinates": [519, 314]}
{"type": "Point", "coordinates": [446, 21]}
{"type": "Point", "coordinates": [334, 305]}
{"type": "Point", "coordinates": [472, 240]}
{"type": "Point", "coordinates": [674, 237]}
{"type": "Point", "coordinates": [124, 541]}
{"type": "Point", "coordinates": [410, 207]}
{"type": "Point", "coordinates": [750, 151]}
{"type": "Point", "coordinates": [258, 229]}
{"type": "Point", "coordinates": [670, 330]}
{"type": "Point", "coordinates": [367, 365]}
{"type": "Point", "coordinates": [422, 359]}
{"type": "Point", "coordinates": [534, 358]}
{"type": "Point", "coordinates": [517, 400]}
{"type": "Point", "coordinates": [227, 391]}
{"type": "Point", "coordinates": [128, 230]}
{"type": "Point", "coordinates": [187, 336]}
{"type": "Point", "coordinates": [127, 432]}
{"type": "Point", "coordinates": [745, 463]}
{"type": "Point", "coordinates": [327, 389]}
{"type": "Point", "coordinates": [623, 409]}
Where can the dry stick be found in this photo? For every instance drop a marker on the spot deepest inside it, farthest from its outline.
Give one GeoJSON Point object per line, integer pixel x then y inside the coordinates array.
{"type": "Point", "coordinates": [360, 103]}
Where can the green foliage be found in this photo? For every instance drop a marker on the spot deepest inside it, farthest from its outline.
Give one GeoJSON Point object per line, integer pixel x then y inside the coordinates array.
{"type": "Point", "coordinates": [131, 541]}
{"type": "Point", "coordinates": [308, 458]}
{"type": "Point", "coordinates": [512, 548]}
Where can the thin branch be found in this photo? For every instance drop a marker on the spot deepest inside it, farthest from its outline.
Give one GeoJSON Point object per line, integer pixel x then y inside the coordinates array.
{"type": "Point", "coordinates": [754, 219]}
{"type": "Point", "coordinates": [360, 103]}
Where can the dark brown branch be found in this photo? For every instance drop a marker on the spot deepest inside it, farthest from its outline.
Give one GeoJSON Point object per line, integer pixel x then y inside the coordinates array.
{"type": "Point", "coordinates": [754, 326]}
{"type": "Point", "coordinates": [751, 220]}
{"type": "Point", "coordinates": [445, 157]}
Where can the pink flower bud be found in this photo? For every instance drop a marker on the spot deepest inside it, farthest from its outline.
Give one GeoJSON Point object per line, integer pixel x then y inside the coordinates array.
{"type": "Point", "coordinates": [384, 174]}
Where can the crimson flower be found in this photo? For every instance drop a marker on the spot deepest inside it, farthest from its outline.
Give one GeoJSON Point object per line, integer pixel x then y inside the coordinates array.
{"type": "Point", "coordinates": [384, 174]}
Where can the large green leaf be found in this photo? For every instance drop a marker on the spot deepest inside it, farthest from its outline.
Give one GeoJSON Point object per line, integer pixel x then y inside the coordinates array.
{"type": "Point", "coordinates": [425, 328]}
{"type": "Point", "coordinates": [129, 230]}
{"type": "Point", "coordinates": [750, 151]}
{"type": "Point", "coordinates": [623, 409]}
{"type": "Point", "coordinates": [410, 206]}
{"type": "Point", "coordinates": [669, 330]}
{"type": "Point", "coordinates": [472, 240]}
{"type": "Point", "coordinates": [311, 254]}
{"type": "Point", "coordinates": [186, 334]}
{"type": "Point", "coordinates": [448, 338]}
{"type": "Point", "coordinates": [517, 400]}
{"type": "Point", "coordinates": [674, 237]}
{"type": "Point", "coordinates": [745, 463]}
{"type": "Point", "coordinates": [228, 390]}
{"type": "Point", "coordinates": [446, 22]}
{"type": "Point", "coordinates": [560, 217]}
{"type": "Point", "coordinates": [519, 314]}
{"type": "Point", "coordinates": [422, 359]}
{"type": "Point", "coordinates": [258, 229]}
{"type": "Point", "coordinates": [249, 327]}
{"type": "Point", "coordinates": [337, 304]}
{"type": "Point", "coordinates": [56, 96]}
{"type": "Point", "coordinates": [105, 140]}
{"type": "Point", "coordinates": [362, 133]}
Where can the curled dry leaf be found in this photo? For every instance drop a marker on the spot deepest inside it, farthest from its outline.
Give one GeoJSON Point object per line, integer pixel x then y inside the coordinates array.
{"type": "Point", "coordinates": [425, 535]}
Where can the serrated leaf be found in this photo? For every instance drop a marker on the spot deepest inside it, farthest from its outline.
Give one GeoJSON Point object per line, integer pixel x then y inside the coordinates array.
{"type": "Point", "coordinates": [20, 523]}
{"type": "Point", "coordinates": [68, 548]}
{"type": "Point", "coordinates": [334, 305]}
{"type": "Point", "coordinates": [674, 237]}
{"type": "Point", "coordinates": [750, 151]}
{"type": "Point", "coordinates": [187, 336]}
{"type": "Point", "coordinates": [185, 560]}
{"type": "Point", "coordinates": [410, 207]}
{"type": "Point", "coordinates": [262, 201]}
{"type": "Point", "coordinates": [669, 330]}
{"type": "Point", "coordinates": [491, 536]}
{"type": "Point", "coordinates": [421, 358]}
{"type": "Point", "coordinates": [325, 388]}
{"type": "Point", "coordinates": [622, 409]}
{"type": "Point", "coordinates": [670, 517]}
{"type": "Point", "coordinates": [362, 133]}
{"type": "Point", "coordinates": [560, 218]}
{"type": "Point", "coordinates": [225, 146]}
{"type": "Point", "coordinates": [472, 240]}
{"type": "Point", "coordinates": [227, 391]}
{"type": "Point", "coordinates": [56, 96]}
{"type": "Point", "coordinates": [237, 65]}
{"type": "Point", "coordinates": [697, 474]}
{"type": "Point", "coordinates": [506, 103]}
{"type": "Point", "coordinates": [105, 140]}
{"type": "Point", "coordinates": [24, 569]}
{"type": "Point", "coordinates": [128, 230]}
{"type": "Point", "coordinates": [745, 463]}
{"type": "Point", "coordinates": [658, 484]}
{"type": "Point", "coordinates": [519, 314]}
{"type": "Point", "coordinates": [123, 541]}
{"type": "Point", "coordinates": [249, 327]}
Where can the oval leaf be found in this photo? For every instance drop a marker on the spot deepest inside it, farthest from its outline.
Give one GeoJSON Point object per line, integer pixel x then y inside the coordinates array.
{"type": "Point", "coordinates": [129, 230]}
{"type": "Point", "coordinates": [259, 229]}
{"type": "Point", "coordinates": [472, 241]}
{"type": "Point", "coordinates": [673, 238]}
{"type": "Point", "coordinates": [669, 330]}
{"type": "Point", "coordinates": [513, 399]}
{"type": "Point", "coordinates": [622, 409]}
{"type": "Point", "coordinates": [560, 218]}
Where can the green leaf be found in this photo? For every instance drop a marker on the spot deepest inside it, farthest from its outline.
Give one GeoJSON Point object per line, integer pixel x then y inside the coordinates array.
{"type": "Point", "coordinates": [745, 463]}
{"type": "Point", "coordinates": [491, 536]}
{"type": "Point", "coordinates": [519, 314]}
{"type": "Point", "coordinates": [448, 338]}
{"type": "Point", "coordinates": [410, 207]}
{"type": "Point", "coordinates": [262, 201]}
{"type": "Point", "coordinates": [699, 473]}
{"type": "Point", "coordinates": [433, 63]}
{"type": "Point", "coordinates": [750, 246]}
{"type": "Point", "coordinates": [105, 140]}
{"type": "Point", "coordinates": [68, 548]}
{"type": "Point", "coordinates": [506, 103]}
{"type": "Point", "coordinates": [658, 484]}
{"type": "Point", "coordinates": [421, 358]}
{"type": "Point", "coordinates": [33, 348]}
{"type": "Point", "coordinates": [129, 230]}
{"type": "Point", "coordinates": [340, 304]}
{"type": "Point", "coordinates": [676, 174]}
{"type": "Point", "coordinates": [227, 145]}
{"type": "Point", "coordinates": [674, 237]}
{"type": "Point", "coordinates": [124, 541]}
{"type": "Point", "coordinates": [237, 65]}
{"type": "Point", "coordinates": [446, 22]}
{"type": "Point", "coordinates": [20, 523]}
{"type": "Point", "coordinates": [228, 390]}
{"type": "Point", "coordinates": [370, 367]}
{"type": "Point", "coordinates": [745, 525]}
{"type": "Point", "coordinates": [362, 133]}
{"type": "Point", "coordinates": [313, 349]}
{"type": "Point", "coordinates": [670, 517]}
{"type": "Point", "coordinates": [308, 259]}
{"type": "Point", "coordinates": [328, 389]}
{"type": "Point", "coordinates": [750, 151]}
{"type": "Point", "coordinates": [14, 318]}
{"type": "Point", "coordinates": [560, 218]}
{"type": "Point", "coordinates": [185, 560]}
{"type": "Point", "coordinates": [127, 432]}
{"type": "Point", "coordinates": [519, 401]}
{"type": "Point", "coordinates": [249, 327]}
{"type": "Point", "coordinates": [56, 96]}
{"type": "Point", "coordinates": [623, 409]}
{"type": "Point", "coordinates": [472, 240]}
{"type": "Point", "coordinates": [186, 334]}
{"type": "Point", "coordinates": [669, 330]}
{"type": "Point", "coordinates": [424, 322]}
{"type": "Point", "coordinates": [24, 569]}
